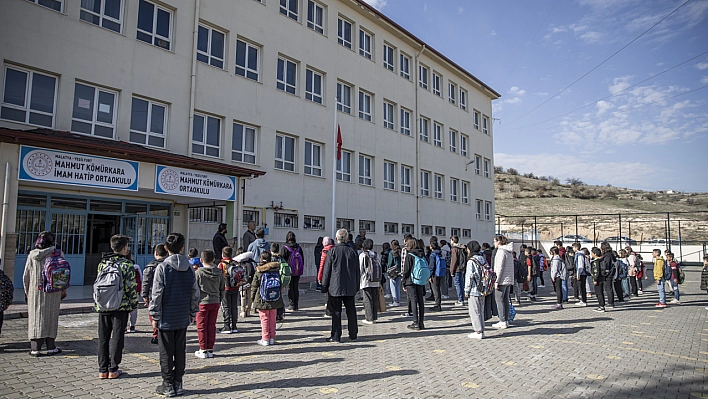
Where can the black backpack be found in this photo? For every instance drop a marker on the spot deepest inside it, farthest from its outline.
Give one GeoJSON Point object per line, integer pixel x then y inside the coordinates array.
{"type": "Point", "coordinates": [520, 272]}
{"type": "Point", "coordinates": [570, 263]}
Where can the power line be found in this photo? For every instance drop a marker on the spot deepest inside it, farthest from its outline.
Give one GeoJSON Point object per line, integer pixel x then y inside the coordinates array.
{"type": "Point", "coordinates": [600, 64]}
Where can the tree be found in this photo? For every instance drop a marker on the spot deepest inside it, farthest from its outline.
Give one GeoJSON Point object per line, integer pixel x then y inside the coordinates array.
{"type": "Point", "coordinates": [574, 181]}
{"type": "Point", "coordinates": [512, 171]}
{"type": "Point", "coordinates": [498, 170]}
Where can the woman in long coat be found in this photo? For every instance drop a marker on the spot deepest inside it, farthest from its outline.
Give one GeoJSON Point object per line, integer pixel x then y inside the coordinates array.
{"type": "Point", "coordinates": [42, 307]}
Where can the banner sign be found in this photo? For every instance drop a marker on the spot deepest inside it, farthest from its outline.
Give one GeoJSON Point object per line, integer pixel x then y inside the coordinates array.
{"type": "Point", "coordinates": [39, 164]}
{"type": "Point", "coordinates": [194, 184]}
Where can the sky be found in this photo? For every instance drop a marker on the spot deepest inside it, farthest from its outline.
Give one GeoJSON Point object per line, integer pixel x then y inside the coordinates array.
{"type": "Point", "coordinates": [590, 89]}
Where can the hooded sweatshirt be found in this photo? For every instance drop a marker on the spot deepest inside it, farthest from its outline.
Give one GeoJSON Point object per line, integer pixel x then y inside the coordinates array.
{"type": "Point", "coordinates": [323, 259]}
{"type": "Point", "coordinates": [373, 257]}
{"type": "Point", "coordinates": [473, 275]}
{"type": "Point", "coordinates": [558, 269]}
{"type": "Point", "coordinates": [504, 264]}
{"type": "Point", "coordinates": [211, 283]}
{"type": "Point", "coordinates": [175, 294]}
{"type": "Point", "coordinates": [258, 247]}
{"type": "Point", "coordinates": [256, 298]}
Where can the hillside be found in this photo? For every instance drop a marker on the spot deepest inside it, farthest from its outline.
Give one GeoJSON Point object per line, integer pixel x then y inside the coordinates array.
{"type": "Point", "coordinates": [528, 196]}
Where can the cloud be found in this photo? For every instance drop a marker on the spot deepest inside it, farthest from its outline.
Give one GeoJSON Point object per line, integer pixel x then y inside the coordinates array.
{"type": "Point", "coordinates": [705, 79]}
{"type": "Point", "coordinates": [460, 10]}
{"type": "Point", "coordinates": [702, 66]}
{"type": "Point", "coordinates": [515, 91]}
{"type": "Point", "coordinates": [425, 7]}
{"type": "Point", "coordinates": [559, 29]}
{"type": "Point", "coordinates": [493, 33]}
{"type": "Point", "coordinates": [592, 37]}
{"type": "Point", "coordinates": [541, 93]}
{"type": "Point", "coordinates": [513, 100]}
{"type": "Point", "coordinates": [603, 106]}
{"type": "Point", "coordinates": [619, 84]}
{"type": "Point", "coordinates": [377, 4]}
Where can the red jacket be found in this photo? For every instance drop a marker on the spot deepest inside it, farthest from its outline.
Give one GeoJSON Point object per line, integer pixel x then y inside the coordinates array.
{"type": "Point", "coordinates": [322, 262]}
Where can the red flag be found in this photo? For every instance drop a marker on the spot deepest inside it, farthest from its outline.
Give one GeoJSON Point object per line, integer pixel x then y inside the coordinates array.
{"type": "Point", "coordinates": [339, 143]}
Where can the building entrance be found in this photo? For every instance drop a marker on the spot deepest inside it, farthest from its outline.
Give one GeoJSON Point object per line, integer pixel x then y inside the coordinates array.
{"type": "Point", "coordinates": [100, 230]}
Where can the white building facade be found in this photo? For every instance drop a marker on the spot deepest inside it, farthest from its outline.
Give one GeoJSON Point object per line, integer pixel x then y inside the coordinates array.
{"type": "Point", "coordinates": [254, 86]}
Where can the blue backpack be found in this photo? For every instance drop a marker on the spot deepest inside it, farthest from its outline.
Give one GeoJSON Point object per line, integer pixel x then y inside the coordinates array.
{"type": "Point", "coordinates": [270, 286]}
{"type": "Point", "coordinates": [421, 273]}
{"type": "Point", "coordinates": [440, 265]}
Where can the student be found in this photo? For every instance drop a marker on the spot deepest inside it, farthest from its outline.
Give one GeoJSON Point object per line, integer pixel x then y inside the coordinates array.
{"type": "Point", "coordinates": [623, 274]}
{"type": "Point", "coordinates": [160, 253]}
{"type": "Point", "coordinates": [674, 277]}
{"type": "Point", "coordinates": [275, 257]}
{"type": "Point", "coordinates": [229, 304]}
{"type": "Point", "coordinates": [393, 270]}
{"type": "Point", "coordinates": [327, 244]}
{"type": "Point", "coordinates": [266, 278]}
{"type": "Point", "coordinates": [292, 253]}
{"type": "Point", "coordinates": [416, 292]}
{"type": "Point", "coordinates": [570, 281]}
{"type": "Point", "coordinates": [558, 275]}
{"type": "Point", "coordinates": [458, 262]}
{"type": "Point", "coordinates": [504, 269]}
{"type": "Point", "coordinates": [369, 284]}
{"type": "Point", "coordinates": [259, 245]}
{"type": "Point", "coordinates": [589, 281]}
{"type": "Point", "coordinates": [539, 257]}
{"type": "Point", "coordinates": [436, 280]}
{"type": "Point", "coordinates": [518, 278]}
{"type": "Point", "coordinates": [704, 274]}
{"type": "Point", "coordinates": [532, 273]}
{"type": "Point", "coordinates": [248, 263]}
{"type": "Point", "coordinates": [133, 319]}
{"type": "Point", "coordinates": [173, 307]}
{"type": "Point", "coordinates": [581, 275]}
{"type": "Point", "coordinates": [475, 299]}
{"type": "Point", "coordinates": [446, 284]}
{"type": "Point", "coordinates": [194, 260]}
{"type": "Point", "coordinates": [633, 270]}
{"type": "Point", "coordinates": [641, 274]}
{"type": "Point", "coordinates": [211, 291]}
{"type": "Point", "coordinates": [659, 277]}
{"type": "Point", "coordinates": [385, 252]}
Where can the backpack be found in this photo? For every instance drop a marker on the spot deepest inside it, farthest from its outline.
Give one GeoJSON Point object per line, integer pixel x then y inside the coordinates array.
{"type": "Point", "coordinates": [235, 274]}
{"type": "Point", "coordinates": [373, 269]}
{"type": "Point", "coordinates": [682, 275]}
{"type": "Point", "coordinates": [570, 263]}
{"type": "Point", "coordinates": [270, 286]}
{"type": "Point", "coordinates": [485, 285]}
{"type": "Point", "coordinates": [535, 265]}
{"type": "Point", "coordinates": [395, 270]}
{"type": "Point", "coordinates": [108, 288]}
{"type": "Point", "coordinates": [448, 257]}
{"type": "Point", "coordinates": [295, 261]}
{"type": "Point", "coordinates": [56, 273]}
{"type": "Point", "coordinates": [521, 273]}
{"type": "Point", "coordinates": [421, 273]}
{"type": "Point", "coordinates": [286, 273]}
{"type": "Point", "coordinates": [440, 266]}
{"type": "Point", "coordinates": [622, 269]}
{"type": "Point", "coordinates": [7, 291]}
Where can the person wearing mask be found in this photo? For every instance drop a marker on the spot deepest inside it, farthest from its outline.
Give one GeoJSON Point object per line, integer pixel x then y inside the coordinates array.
{"type": "Point", "coordinates": [340, 280]}
{"type": "Point", "coordinates": [416, 292]}
{"type": "Point", "coordinates": [504, 269]}
{"type": "Point", "coordinates": [292, 253]}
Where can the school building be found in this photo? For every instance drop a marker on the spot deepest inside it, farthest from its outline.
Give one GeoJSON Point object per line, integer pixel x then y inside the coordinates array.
{"type": "Point", "coordinates": [145, 117]}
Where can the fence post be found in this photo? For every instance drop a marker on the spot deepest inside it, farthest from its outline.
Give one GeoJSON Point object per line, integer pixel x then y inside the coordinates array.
{"type": "Point", "coordinates": [680, 241]}
{"type": "Point", "coordinates": [668, 230]}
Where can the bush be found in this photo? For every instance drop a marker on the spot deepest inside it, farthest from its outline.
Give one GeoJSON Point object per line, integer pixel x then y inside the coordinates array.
{"type": "Point", "coordinates": [512, 171]}
{"type": "Point", "coordinates": [574, 181]}
{"type": "Point", "coordinates": [530, 175]}
{"type": "Point", "coordinates": [498, 169]}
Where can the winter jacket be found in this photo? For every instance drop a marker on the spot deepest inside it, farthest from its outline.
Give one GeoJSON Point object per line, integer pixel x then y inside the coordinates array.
{"type": "Point", "coordinates": [504, 265]}
{"type": "Point", "coordinates": [219, 242]}
{"type": "Point", "coordinates": [195, 262]}
{"type": "Point", "coordinates": [607, 261]}
{"type": "Point", "coordinates": [130, 292]}
{"type": "Point", "coordinates": [558, 269]}
{"type": "Point", "coordinates": [258, 247]}
{"type": "Point", "coordinates": [247, 239]}
{"type": "Point", "coordinates": [394, 260]}
{"type": "Point", "coordinates": [323, 258]}
{"type": "Point", "coordinates": [318, 254]}
{"type": "Point", "coordinates": [211, 284]}
{"type": "Point", "coordinates": [285, 254]}
{"type": "Point", "coordinates": [148, 277]}
{"type": "Point", "coordinates": [364, 282]}
{"type": "Point", "coordinates": [632, 259]}
{"type": "Point", "coordinates": [704, 278]}
{"type": "Point", "coordinates": [175, 294]}
{"type": "Point", "coordinates": [457, 259]}
{"type": "Point", "coordinates": [580, 269]}
{"type": "Point", "coordinates": [256, 298]}
{"type": "Point", "coordinates": [658, 269]}
{"type": "Point", "coordinates": [341, 275]}
{"type": "Point", "coordinates": [474, 274]}
{"type": "Point", "coordinates": [408, 264]}
{"type": "Point", "coordinates": [42, 307]}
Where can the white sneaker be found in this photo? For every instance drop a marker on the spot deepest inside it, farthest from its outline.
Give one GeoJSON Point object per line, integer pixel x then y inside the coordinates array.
{"type": "Point", "coordinates": [581, 303]}
{"type": "Point", "coordinates": [676, 301]}
{"type": "Point", "coordinates": [224, 331]}
{"type": "Point", "coordinates": [460, 303]}
{"type": "Point", "coordinates": [271, 341]}
{"type": "Point", "coordinates": [201, 354]}
{"type": "Point", "coordinates": [475, 335]}
{"type": "Point", "coordinates": [395, 304]}
{"type": "Point", "coordinates": [234, 331]}
{"type": "Point", "coordinates": [445, 297]}
{"type": "Point", "coordinates": [262, 342]}
{"type": "Point", "coordinates": [387, 296]}
{"type": "Point", "coordinates": [640, 292]}
{"type": "Point", "coordinates": [501, 325]}
{"type": "Point", "coordinates": [367, 322]}
{"type": "Point", "coordinates": [541, 286]}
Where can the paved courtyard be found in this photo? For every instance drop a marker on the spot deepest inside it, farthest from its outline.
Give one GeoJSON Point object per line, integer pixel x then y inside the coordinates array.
{"type": "Point", "coordinates": [632, 351]}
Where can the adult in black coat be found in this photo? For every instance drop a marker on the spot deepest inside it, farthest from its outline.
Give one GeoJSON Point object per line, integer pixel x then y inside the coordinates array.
{"type": "Point", "coordinates": [340, 279]}
{"type": "Point", "coordinates": [219, 241]}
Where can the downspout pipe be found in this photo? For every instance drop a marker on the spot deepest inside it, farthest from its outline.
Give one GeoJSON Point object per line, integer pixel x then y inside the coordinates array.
{"type": "Point", "coordinates": [419, 229]}
{"type": "Point", "coordinates": [5, 206]}
{"type": "Point", "coordinates": [193, 76]}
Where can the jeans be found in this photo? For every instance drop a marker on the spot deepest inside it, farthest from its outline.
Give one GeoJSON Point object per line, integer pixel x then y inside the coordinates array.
{"type": "Point", "coordinates": [503, 301]}
{"type": "Point", "coordinates": [675, 286]}
{"type": "Point", "coordinates": [267, 323]}
{"type": "Point", "coordinates": [564, 289]}
{"type": "Point", "coordinates": [111, 337]}
{"type": "Point", "coordinates": [437, 289]}
{"type": "Point", "coordinates": [133, 318]}
{"type": "Point", "coordinates": [625, 287]}
{"type": "Point", "coordinates": [206, 325]}
{"type": "Point", "coordinates": [229, 306]}
{"type": "Point", "coordinates": [395, 284]}
{"type": "Point", "coordinates": [445, 287]}
{"type": "Point", "coordinates": [540, 276]}
{"type": "Point", "coordinates": [173, 357]}
{"type": "Point", "coordinates": [534, 286]}
{"type": "Point", "coordinates": [662, 292]}
{"type": "Point", "coordinates": [294, 292]}
{"type": "Point", "coordinates": [459, 281]}
{"type": "Point", "coordinates": [371, 303]}
{"type": "Point", "coordinates": [334, 303]}
{"type": "Point", "coordinates": [417, 295]}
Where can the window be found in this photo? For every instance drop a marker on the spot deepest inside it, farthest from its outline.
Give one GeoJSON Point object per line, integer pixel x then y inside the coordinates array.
{"type": "Point", "coordinates": [314, 222]}
{"type": "Point", "coordinates": [424, 126]}
{"type": "Point", "coordinates": [405, 122]}
{"type": "Point", "coordinates": [455, 231]}
{"type": "Point", "coordinates": [488, 211]}
{"type": "Point", "coordinates": [364, 105]}
{"type": "Point", "coordinates": [315, 17]}
{"type": "Point", "coordinates": [94, 111]}
{"type": "Point", "coordinates": [364, 44]}
{"type": "Point", "coordinates": [405, 66]}
{"type": "Point", "coordinates": [485, 125]}
{"type": "Point", "coordinates": [451, 89]}
{"type": "Point", "coordinates": [476, 120]}
{"type": "Point", "coordinates": [148, 123]}
{"type": "Point", "coordinates": [486, 167]}
{"type": "Point", "coordinates": [390, 228]}
{"type": "Point", "coordinates": [154, 25]}
{"type": "Point", "coordinates": [104, 13]}
{"type": "Point", "coordinates": [463, 145]}
{"type": "Point", "coordinates": [347, 224]}
{"type": "Point", "coordinates": [480, 204]}
{"type": "Point", "coordinates": [466, 233]}
{"type": "Point", "coordinates": [423, 76]}
{"type": "Point", "coordinates": [465, 192]}
{"type": "Point", "coordinates": [210, 46]}
{"type": "Point", "coordinates": [365, 170]}
{"type": "Point", "coordinates": [287, 71]}
{"type": "Point", "coordinates": [368, 225]}
{"type": "Point", "coordinates": [389, 175]}
{"type": "Point", "coordinates": [389, 57]}
{"type": "Point", "coordinates": [313, 86]}
{"type": "Point", "coordinates": [243, 144]}
{"type": "Point", "coordinates": [29, 97]}
{"type": "Point", "coordinates": [437, 135]}
{"type": "Point", "coordinates": [207, 214]}
{"type": "Point", "coordinates": [477, 165]}
{"type": "Point", "coordinates": [453, 140]}
{"type": "Point", "coordinates": [439, 186]}
{"type": "Point", "coordinates": [407, 228]}
{"type": "Point", "coordinates": [284, 153]}
{"type": "Point", "coordinates": [344, 98]}
{"type": "Point", "coordinates": [251, 216]}
{"type": "Point", "coordinates": [285, 220]}
{"type": "Point", "coordinates": [426, 230]}
{"type": "Point", "coordinates": [53, 4]}
{"type": "Point", "coordinates": [344, 33]}
{"type": "Point", "coordinates": [405, 179]}
{"type": "Point", "coordinates": [453, 189]}
{"type": "Point", "coordinates": [436, 84]}
{"type": "Point", "coordinates": [424, 183]}
{"type": "Point", "coordinates": [440, 231]}
{"type": "Point", "coordinates": [289, 9]}
{"type": "Point", "coordinates": [388, 112]}
{"type": "Point", "coordinates": [463, 99]}
{"type": "Point", "coordinates": [313, 159]}
{"type": "Point", "coordinates": [246, 60]}
{"type": "Point", "coordinates": [206, 135]}
{"type": "Point", "coordinates": [344, 167]}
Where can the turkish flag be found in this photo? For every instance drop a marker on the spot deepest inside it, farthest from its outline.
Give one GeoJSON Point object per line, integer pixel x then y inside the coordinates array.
{"type": "Point", "coordinates": [339, 143]}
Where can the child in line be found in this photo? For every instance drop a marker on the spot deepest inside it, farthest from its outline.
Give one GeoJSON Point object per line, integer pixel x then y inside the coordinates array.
{"type": "Point", "coordinates": [133, 319]}
{"type": "Point", "coordinates": [211, 284]}
{"type": "Point", "coordinates": [659, 277]}
{"type": "Point", "coordinates": [194, 259]}
{"type": "Point", "coordinates": [267, 297]}
{"type": "Point", "coordinates": [704, 275]}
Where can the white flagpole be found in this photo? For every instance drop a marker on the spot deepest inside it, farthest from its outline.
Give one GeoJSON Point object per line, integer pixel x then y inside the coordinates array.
{"type": "Point", "coordinates": [334, 173]}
